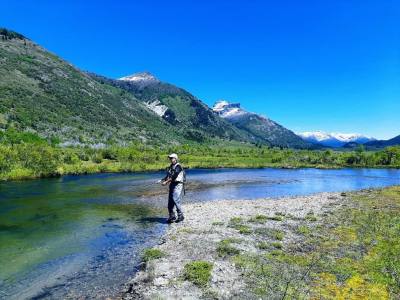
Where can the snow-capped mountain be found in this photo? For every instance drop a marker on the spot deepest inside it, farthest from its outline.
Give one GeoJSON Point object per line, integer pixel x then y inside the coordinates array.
{"type": "Point", "coordinates": [141, 79]}
{"type": "Point", "coordinates": [141, 76]}
{"type": "Point", "coordinates": [228, 110]}
{"type": "Point", "coordinates": [260, 127]}
{"type": "Point", "coordinates": [334, 139]}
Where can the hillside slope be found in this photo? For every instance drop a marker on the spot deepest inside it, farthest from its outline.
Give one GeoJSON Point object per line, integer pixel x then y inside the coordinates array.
{"type": "Point", "coordinates": [260, 127]}
{"type": "Point", "coordinates": [180, 108]}
{"type": "Point", "coordinates": [384, 143]}
{"type": "Point", "coordinates": [42, 93]}
{"type": "Point", "coordinates": [190, 116]}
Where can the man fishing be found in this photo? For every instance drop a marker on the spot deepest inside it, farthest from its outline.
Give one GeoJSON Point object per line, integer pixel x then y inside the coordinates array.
{"type": "Point", "coordinates": [175, 178]}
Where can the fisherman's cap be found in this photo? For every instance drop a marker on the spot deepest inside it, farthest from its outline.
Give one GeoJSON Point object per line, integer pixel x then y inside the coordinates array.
{"type": "Point", "coordinates": [173, 155]}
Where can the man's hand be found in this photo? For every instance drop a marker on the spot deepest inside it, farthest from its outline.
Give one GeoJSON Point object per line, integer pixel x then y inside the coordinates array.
{"type": "Point", "coordinates": [166, 181]}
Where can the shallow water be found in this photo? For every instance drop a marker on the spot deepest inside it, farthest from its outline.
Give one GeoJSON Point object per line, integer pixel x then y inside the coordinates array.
{"type": "Point", "coordinates": [81, 236]}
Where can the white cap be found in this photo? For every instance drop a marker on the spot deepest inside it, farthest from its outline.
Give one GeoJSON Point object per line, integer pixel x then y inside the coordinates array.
{"type": "Point", "coordinates": [173, 155]}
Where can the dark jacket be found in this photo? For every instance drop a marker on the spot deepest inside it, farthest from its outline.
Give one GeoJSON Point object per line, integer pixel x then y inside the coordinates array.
{"type": "Point", "coordinates": [173, 172]}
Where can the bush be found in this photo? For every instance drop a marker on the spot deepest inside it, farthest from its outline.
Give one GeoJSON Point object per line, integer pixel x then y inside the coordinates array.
{"type": "Point", "coordinates": [263, 246]}
{"type": "Point", "coordinates": [198, 272]}
{"type": "Point", "coordinates": [276, 218]}
{"type": "Point", "coordinates": [150, 254]}
{"type": "Point", "coordinates": [97, 158]}
{"type": "Point", "coordinates": [225, 248]}
{"type": "Point", "coordinates": [258, 219]}
{"type": "Point", "coordinates": [270, 233]}
{"type": "Point", "coordinates": [304, 230]}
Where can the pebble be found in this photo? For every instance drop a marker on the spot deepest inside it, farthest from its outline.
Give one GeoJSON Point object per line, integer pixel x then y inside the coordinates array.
{"type": "Point", "coordinates": [201, 243]}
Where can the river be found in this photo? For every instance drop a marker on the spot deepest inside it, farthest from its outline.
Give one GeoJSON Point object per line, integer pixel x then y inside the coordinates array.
{"type": "Point", "coordinates": [82, 236]}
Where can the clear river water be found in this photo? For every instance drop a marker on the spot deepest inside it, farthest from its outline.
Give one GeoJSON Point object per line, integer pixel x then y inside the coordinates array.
{"type": "Point", "coordinates": [82, 236]}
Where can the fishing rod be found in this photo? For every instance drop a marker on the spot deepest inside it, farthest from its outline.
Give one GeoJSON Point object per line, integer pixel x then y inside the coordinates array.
{"type": "Point", "coordinates": [151, 183]}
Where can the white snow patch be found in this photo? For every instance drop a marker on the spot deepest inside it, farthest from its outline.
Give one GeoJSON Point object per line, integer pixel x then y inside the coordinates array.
{"type": "Point", "coordinates": [228, 110]}
{"type": "Point", "coordinates": [139, 77]}
{"type": "Point", "coordinates": [157, 107]}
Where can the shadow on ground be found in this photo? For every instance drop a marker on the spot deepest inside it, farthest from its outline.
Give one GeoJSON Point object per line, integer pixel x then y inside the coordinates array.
{"type": "Point", "coordinates": [160, 220]}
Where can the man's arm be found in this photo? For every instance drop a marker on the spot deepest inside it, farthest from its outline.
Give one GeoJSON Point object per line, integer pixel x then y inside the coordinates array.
{"type": "Point", "coordinates": [166, 179]}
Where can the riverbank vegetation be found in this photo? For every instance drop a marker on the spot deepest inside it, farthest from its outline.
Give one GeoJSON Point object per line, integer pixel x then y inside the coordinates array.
{"type": "Point", "coordinates": [351, 253]}
{"type": "Point", "coordinates": [26, 155]}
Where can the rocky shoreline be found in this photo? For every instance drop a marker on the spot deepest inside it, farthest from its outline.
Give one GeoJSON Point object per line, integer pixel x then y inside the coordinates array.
{"type": "Point", "coordinates": [214, 232]}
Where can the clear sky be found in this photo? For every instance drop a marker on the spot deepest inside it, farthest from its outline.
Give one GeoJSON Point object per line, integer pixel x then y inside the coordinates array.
{"type": "Point", "coordinates": [309, 65]}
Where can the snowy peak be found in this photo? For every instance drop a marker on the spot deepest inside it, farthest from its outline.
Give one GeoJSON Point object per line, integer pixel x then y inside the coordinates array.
{"type": "Point", "coordinates": [334, 139]}
{"type": "Point", "coordinates": [259, 127]}
{"type": "Point", "coordinates": [228, 110]}
{"type": "Point", "coordinates": [140, 77]}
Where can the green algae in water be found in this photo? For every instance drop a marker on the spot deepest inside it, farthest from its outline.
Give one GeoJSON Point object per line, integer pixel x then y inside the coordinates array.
{"type": "Point", "coordinates": [57, 222]}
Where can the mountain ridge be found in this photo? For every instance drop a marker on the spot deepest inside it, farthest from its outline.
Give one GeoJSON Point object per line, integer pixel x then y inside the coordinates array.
{"type": "Point", "coordinates": [334, 139]}
{"type": "Point", "coordinates": [384, 143]}
{"type": "Point", "coordinates": [42, 93]}
{"type": "Point", "coordinates": [188, 114]}
{"type": "Point", "coordinates": [260, 126]}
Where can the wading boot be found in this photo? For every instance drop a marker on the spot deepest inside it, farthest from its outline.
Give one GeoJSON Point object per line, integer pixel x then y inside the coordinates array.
{"type": "Point", "coordinates": [180, 218]}
{"type": "Point", "coordinates": [171, 219]}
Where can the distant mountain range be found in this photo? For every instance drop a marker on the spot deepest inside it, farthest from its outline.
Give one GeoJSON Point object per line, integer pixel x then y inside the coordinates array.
{"type": "Point", "coordinates": [334, 140]}
{"type": "Point", "coordinates": [384, 143]}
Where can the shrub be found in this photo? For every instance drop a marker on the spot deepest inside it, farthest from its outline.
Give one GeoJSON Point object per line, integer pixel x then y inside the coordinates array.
{"type": "Point", "coordinates": [276, 245]}
{"type": "Point", "coordinates": [276, 218]}
{"type": "Point", "coordinates": [311, 217]}
{"type": "Point", "coordinates": [198, 272]}
{"type": "Point", "coordinates": [263, 246]}
{"type": "Point", "coordinates": [258, 219]}
{"type": "Point", "coordinates": [225, 248]}
{"type": "Point", "coordinates": [243, 229]}
{"type": "Point", "coordinates": [271, 233]}
{"type": "Point", "coordinates": [302, 229]}
{"type": "Point", "coordinates": [150, 254]}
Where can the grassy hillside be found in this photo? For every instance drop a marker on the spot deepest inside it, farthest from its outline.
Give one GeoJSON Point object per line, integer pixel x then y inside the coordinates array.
{"type": "Point", "coordinates": [190, 116]}
{"type": "Point", "coordinates": [41, 93]}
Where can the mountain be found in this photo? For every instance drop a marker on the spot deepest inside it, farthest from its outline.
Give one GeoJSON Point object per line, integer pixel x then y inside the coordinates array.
{"type": "Point", "coordinates": [42, 93]}
{"type": "Point", "coordinates": [258, 126]}
{"type": "Point", "coordinates": [141, 79]}
{"type": "Point", "coordinates": [334, 139]}
{"type": "Point", "coordinates": [384, 143]}
{"type": "Point", "coordinates": [184, 112]}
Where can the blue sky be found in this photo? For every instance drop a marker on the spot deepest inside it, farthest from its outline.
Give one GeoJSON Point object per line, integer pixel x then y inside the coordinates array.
{"type": "Point", "coordinates": [309, 65]}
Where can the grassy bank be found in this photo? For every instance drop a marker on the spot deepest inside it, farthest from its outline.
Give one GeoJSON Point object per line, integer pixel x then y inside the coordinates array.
{"type": "Point", "coordinates": [352, 253]}
{"type": "Point", "coordinates": [24, 155]}
{"type": "Point", "coordinates": [327, 246]}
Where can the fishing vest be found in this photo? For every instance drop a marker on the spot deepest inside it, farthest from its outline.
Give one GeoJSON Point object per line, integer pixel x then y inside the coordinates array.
{"type": "Point", "coordinates": [181, 176]}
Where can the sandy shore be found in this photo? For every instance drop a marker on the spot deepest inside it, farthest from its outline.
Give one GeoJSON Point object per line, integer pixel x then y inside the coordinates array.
{"type": "Point", "coordinates": [207, 224]}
